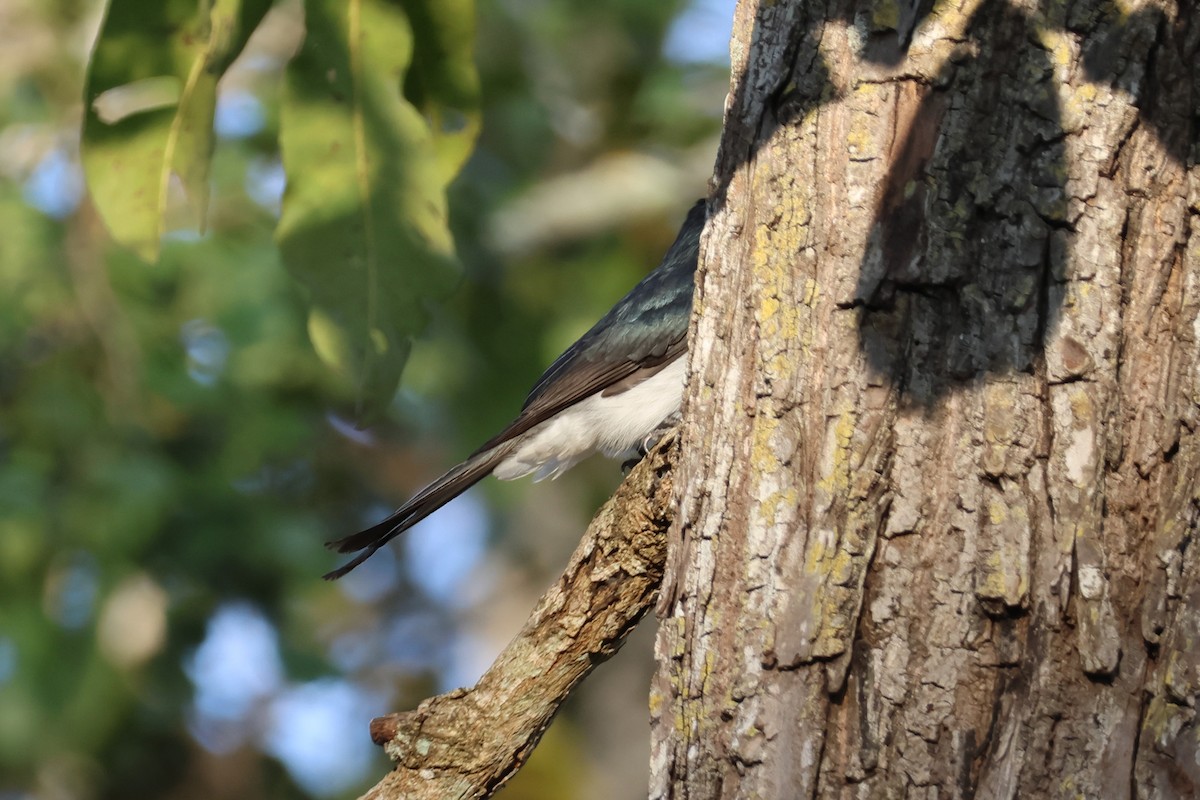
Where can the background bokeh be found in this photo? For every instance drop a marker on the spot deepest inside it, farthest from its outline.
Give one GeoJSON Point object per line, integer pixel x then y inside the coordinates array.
{"type": "Point", "coordinates": [173, 454]}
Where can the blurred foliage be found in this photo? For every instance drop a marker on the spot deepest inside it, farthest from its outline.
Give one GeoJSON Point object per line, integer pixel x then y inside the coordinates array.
{"type": "Point", "coordinates": [172, 449]}
{"type": "Point", "coordinates": [380, 112]}
{"type": "Point", "coordinates": [152, 92]}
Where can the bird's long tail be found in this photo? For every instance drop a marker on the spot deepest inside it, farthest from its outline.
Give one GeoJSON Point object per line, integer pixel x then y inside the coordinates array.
{"type": "Point", "coordinates": [424, 503]}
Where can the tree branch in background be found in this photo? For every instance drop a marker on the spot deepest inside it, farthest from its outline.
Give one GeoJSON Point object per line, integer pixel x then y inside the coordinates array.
{"type": "Point", "coordinates": [468, 742]}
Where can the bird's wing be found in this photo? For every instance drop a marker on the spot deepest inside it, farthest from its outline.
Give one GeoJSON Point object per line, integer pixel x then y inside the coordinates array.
{"type": "Point", "coordinates": [642, 333]}
{"type": "Point", "coordinates": [583, 378]}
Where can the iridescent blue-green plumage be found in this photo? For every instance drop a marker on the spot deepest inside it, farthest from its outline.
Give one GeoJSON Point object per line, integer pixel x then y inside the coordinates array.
{"type": "Point", "coordinates": [645, 329]}
{"type": "Point", "coordinates": [610, 390]}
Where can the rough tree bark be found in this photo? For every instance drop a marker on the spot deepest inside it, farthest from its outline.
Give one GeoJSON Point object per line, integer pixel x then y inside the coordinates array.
{"type": "Point", "coordinates": [940, 483]}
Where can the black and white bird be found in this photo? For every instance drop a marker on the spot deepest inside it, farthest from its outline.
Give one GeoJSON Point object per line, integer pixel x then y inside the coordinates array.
{"type": "Point", "coordinates": [614, 391]}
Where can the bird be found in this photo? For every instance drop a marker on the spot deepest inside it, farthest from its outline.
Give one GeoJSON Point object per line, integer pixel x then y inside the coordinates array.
{"type": "Point", "coordinates": [616, 390]}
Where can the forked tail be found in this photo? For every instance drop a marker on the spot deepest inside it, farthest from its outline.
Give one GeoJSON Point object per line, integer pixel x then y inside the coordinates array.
{"type": "Point", "coordinates": [424, 503]}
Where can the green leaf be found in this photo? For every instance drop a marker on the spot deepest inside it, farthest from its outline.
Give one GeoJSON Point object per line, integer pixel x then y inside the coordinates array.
{"type": "Point", "coordinates": [443, 82]}
{"type": "Point", "coordinates": [149, 99]}
{"type": "Point", "coordinates": [364, 222]}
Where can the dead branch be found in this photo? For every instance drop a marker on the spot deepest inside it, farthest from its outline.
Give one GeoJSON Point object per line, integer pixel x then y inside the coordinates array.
{"type": "Point", "coordinates": [467, 743]}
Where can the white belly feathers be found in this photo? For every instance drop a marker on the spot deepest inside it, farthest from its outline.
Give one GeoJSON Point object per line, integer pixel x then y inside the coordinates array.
{"type": "Point", "coordinates": [613, 425]}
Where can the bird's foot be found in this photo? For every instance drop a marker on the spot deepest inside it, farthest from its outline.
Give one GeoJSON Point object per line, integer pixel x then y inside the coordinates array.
{"type": "Point", "coordinates": [649, 442]}
{"type": "Point", "coordinates": [655, 436]}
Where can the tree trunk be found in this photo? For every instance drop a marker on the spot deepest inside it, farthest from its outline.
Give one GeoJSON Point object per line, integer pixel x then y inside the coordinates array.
{"type": "Point", "coordinates": [940, 473]}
